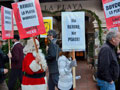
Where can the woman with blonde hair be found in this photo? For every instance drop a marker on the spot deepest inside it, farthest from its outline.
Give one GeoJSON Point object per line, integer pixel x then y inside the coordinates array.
{"type": "Point", "coordinates": [34, 67]}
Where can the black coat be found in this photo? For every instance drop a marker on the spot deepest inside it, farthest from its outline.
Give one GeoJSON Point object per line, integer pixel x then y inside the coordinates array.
{"type": "Point", "coordinates": [3, 60]}
{"type": "Point", "coordinates": [108, 67]}
{"type": "Point", "coordinates": [52, 56]}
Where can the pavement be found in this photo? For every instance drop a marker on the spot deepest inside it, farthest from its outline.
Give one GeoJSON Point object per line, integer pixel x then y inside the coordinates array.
{"type": "Point", "coordinates": [86, 82]}
{"type": "Point", "coordinates": [86, 72]}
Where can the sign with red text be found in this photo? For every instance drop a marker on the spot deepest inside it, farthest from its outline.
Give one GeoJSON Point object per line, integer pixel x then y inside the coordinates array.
{"type": "Point", "coordinates": [28, 18]}
{"type": "Point", "coordinates": [7, 22]}
{"type": "Point", "coordinates": [112, 12]}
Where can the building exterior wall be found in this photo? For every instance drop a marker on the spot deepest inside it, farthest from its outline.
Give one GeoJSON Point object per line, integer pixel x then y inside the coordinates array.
{"type": "Point", "coordinates": [93, 5]}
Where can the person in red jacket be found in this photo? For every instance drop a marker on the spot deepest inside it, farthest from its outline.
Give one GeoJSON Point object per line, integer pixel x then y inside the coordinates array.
{"type": "Point", "coordinates": [34, 67]}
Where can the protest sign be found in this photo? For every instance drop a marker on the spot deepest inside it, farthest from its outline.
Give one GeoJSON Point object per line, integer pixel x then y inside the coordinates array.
{"type": "Point", "coordinates": [112, 12]}
{"type": "Point", "coordinates": [7, 26]}
{"type": "Point", "coordinates": [73, 34]}
{"type": "Point", "coordinates": [7, 23]}
{"type": "Point", "coordinates": [48, 23]}
{"type": "Point", "coordinates": [28, 18]}
{"type": "Point", "coordinates": [73, 31]}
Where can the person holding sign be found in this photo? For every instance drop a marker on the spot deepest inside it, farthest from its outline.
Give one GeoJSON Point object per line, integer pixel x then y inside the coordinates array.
{"type": "Point", "coordinates": [51, 57]}
{"type": "Point", "coordinates": [65, 64]}
{"type": "Point", "coordinates": [34, 67]}
{"type": "Point", "coordinates": [108, 67]}
{"type": "Point", "coordinates": [16, 63]}
{"type": "Point", "coordinates": [3, 70]}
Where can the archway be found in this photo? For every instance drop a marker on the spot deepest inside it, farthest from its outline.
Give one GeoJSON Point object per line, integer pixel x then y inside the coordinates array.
{"type": "Point", "coordinates": [90, 17]}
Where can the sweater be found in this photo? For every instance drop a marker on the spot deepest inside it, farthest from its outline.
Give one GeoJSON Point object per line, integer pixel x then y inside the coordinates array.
{"type": "Point", "coordinates": [108, 68]}
{"type": "Point", "coordinates": [65, 78]}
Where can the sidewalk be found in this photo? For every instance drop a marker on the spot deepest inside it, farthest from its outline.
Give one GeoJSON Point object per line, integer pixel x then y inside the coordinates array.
{"type": "Point", "coordinates": [86, 82]}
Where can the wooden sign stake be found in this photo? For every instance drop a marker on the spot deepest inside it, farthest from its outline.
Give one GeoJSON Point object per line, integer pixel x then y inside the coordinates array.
{"type": "Point", "coordinates": [74, 74]}
{"type": "Point", "coordinates": [9, 52]}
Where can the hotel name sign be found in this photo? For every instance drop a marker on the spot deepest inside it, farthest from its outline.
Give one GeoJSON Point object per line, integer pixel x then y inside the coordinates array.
{"type": "Point", "coordinates": [68, 6]}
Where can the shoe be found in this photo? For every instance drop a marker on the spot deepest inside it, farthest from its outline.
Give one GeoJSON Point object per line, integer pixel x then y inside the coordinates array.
{"type": "Point", "coordinates": [78, 77]}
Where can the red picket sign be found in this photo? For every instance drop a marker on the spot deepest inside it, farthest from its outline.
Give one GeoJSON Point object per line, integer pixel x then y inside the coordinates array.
{"type": "Point", "coordinates": [7, 23]}
{"type": "Point", "coordinates": [28, 18]}
{"type": "Point", "coordinates": [112, 12]}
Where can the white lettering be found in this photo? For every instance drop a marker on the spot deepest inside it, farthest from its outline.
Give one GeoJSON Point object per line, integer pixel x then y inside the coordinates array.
{"type": "Point", "coordinates": [31, 32]}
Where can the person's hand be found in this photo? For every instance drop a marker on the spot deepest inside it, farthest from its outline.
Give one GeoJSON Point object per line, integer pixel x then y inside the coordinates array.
{"type": "Point", "coordinates": [9, 55]}
{"type": "Point", "coordinates": [46, 49]}
{"type": "Point", "coordinates": [38, 59]}
{"type": "Point", "coordinates": [118, 50]}
{"type": "Point", "coordinates": [73, 63]}
{"type": "Point", "coordinates": [5, 71]}
{"type": "Point", "coordinates": [111, 82]}
{"type": "Point", "coordinates": [118, 53]}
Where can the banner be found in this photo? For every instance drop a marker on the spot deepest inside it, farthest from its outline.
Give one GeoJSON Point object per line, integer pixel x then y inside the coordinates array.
{"type": "Point", "coordinates": [28, 18]}
{"type": "Point", "coordinates": [73, 31]}
{"type": "Point", "coordinates": [48, 23]}
{"type": "Point", "coordinates": [7, 23]}
{"type": "Point", "coordinates": [112, 12]}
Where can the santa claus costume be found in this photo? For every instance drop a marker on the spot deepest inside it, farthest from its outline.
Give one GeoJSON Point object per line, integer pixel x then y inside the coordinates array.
{"type": "Point", "coordinates": [34, 72]}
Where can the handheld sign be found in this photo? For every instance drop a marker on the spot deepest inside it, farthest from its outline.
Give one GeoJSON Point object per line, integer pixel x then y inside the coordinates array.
{"type": "Point", "coordinates": [112, 12]}
{"type": "Point", "coordinates": [7, 26]}
{"type": "Point", "coordinates": [73, 31]}
{"type": "Point", "coordinates": [28, 18]}
{"type": "Point", "coordinates": [73, 34]}
{"type": "Point", "coordinates": [48, 23]}
{"type": "Point", "coordinates": [7, 23]}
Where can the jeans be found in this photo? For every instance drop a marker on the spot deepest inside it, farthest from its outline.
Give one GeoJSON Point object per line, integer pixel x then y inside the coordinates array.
{"type": "Point", "coordinates": [104, 85]}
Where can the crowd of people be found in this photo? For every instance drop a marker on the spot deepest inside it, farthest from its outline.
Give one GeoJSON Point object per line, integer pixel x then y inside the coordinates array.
{"type": "Point", "coordinates": [29, 66]}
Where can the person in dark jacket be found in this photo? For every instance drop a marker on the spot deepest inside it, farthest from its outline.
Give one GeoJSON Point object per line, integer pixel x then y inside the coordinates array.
{"type": "Point", "coordinates": [16, 63]}
{"type": "Point", "coordinates": [118, 82]}
{"type": "Point", "coordinates": [3, 70]}
{"type": "Point", "coordinates": [51, 57]}
{"type": "Point", "coordinates": [108, 67]}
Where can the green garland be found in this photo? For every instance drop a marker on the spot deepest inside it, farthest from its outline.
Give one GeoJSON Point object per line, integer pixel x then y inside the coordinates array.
{"type": "Point", "coordinates": [89, 11]}
{"type": "Point", "coordinates": [98, 21]}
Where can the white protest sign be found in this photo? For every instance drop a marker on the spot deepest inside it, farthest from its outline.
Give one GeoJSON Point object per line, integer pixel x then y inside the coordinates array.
{"type": "Point", "coordinates": [28, 14]}
{"type": "Point", "coordinates": [7, 19]}
{"type": "Point", "coordinates": [112, 8]}
{"type": "Point", "coordinates": [73, 31]}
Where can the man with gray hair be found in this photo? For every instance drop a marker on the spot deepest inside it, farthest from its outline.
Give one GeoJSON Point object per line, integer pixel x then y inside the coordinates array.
{"type": "Point", "coordinates": [108, 67]}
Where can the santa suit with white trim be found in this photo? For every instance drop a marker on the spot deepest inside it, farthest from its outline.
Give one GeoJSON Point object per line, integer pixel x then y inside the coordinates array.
{"type": "Point", "coordinates": [34, 66]}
